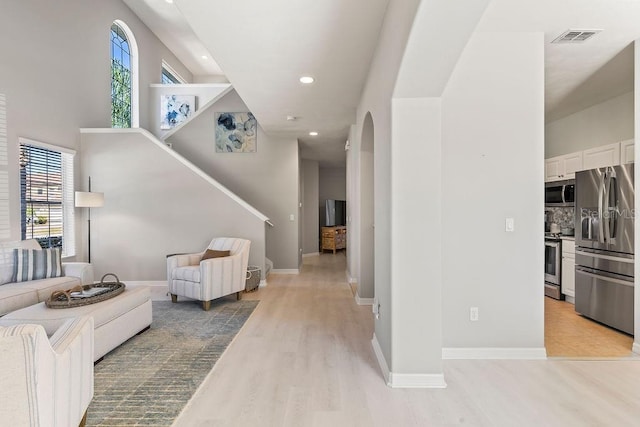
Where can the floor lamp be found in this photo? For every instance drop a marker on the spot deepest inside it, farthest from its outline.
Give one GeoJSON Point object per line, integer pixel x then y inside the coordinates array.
{"type": "Point", "coordinates": [88, 199]}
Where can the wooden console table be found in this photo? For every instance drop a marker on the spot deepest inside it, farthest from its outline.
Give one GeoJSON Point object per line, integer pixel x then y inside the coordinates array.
{"type": "Point", "coordinates": [334, 238]}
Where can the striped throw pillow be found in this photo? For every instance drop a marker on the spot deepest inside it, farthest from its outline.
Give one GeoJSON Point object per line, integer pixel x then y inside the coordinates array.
{"type": "Point", "coordinates": [34, 264]}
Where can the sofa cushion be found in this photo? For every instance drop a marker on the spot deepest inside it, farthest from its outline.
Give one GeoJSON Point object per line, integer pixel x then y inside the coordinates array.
{"type": "Point", "coordinates": [16, 297]}
{"type": "Point", "coordinates": [7, 259]}
{"type": "Point", "coordinates": [33, 264]}
{"type": "Point", "coordinates": [102, 312]}
{"type": "Point", "coordinates": [190, 273]}
{"type": "Point", "coordinates": [38, 291]}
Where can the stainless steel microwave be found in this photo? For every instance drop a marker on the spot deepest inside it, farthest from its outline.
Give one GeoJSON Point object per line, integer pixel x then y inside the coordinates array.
{"type": "Point", "coordinates": [560, 193]}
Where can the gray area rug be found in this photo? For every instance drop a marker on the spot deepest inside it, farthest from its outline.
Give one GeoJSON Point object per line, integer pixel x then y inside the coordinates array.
{"type": "Point", "coordinates": [149, 379]}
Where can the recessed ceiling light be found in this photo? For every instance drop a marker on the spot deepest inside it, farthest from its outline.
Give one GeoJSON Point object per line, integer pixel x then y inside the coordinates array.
{"type": "Point", "coordinates": [306, 80]}
{"type": "Point", "coordinates": [313, 133]}
{"type": "Point", "coordinates": [204, 57]}
{"type": "Point", "coordinates": [169, 1]}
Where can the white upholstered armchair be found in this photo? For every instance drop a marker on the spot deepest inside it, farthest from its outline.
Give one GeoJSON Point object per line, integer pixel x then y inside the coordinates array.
{"type": "Point", "coordinates": [205, 280]}
{"type": "Point", "coordinates": [46, 381]}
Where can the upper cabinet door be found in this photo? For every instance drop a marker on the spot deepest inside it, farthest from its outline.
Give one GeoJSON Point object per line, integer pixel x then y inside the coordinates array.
{"type": "Point", "coordinates": [562, 167]}
{"type": "Point", "coordinates": [627, 151]}
{"type": "Point", "coordinates": [607, 155]}
{"type": "Point", "coordinates": [572, 163]}
{"type": "Point", "coordinates": [553, 168]}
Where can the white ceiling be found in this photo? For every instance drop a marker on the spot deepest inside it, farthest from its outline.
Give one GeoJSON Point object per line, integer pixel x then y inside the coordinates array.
{"type": "Point", "coordinates": [265, 46]}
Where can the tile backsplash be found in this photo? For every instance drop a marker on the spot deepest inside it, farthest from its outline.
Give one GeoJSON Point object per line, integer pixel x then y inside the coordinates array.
{"type": "Point", "coordinates": [564, 217]}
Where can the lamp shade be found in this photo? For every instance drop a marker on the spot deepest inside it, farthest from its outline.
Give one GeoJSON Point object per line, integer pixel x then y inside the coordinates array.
{"type": "Point", "coordinates": [87, 199]}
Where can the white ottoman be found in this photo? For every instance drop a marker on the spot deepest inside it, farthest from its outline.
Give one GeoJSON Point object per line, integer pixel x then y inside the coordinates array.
{"type": "Point", "coordinates": [115, 320]}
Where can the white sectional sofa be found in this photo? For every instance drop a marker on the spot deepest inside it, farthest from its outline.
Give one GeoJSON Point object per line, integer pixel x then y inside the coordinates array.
{"type": "Point", "coordinates": [14, 296]}
{"type": "Point", "coordinates": [115, 320]}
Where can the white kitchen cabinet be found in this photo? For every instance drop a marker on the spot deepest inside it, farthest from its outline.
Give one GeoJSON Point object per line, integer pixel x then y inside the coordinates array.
{"type": "Point", "coordinates": [568, 277]}
{"type": "Point", "coordinates": [606, 155]}
{"type": "Point", "coordinates": [562, 167]}
{"type": "Point", "coordinates": [627, 152]}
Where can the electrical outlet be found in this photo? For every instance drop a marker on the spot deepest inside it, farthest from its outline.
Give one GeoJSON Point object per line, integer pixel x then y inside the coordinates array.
{"type": "Point", "coordinates": [473, 314]}
{"type": "Point", "coordinates": [509, 225]}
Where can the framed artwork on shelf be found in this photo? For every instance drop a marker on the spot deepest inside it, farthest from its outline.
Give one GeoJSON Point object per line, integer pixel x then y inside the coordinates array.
{"type": "Point", "coordinates": [236, 133]}
{"type": "Point", "coordinates": [175, 109]}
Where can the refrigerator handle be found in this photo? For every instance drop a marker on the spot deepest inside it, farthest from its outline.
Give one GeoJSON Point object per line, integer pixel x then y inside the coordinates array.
{"type": "Point", "coordinates": [606, 213]}
{"type": "Point", "coordinates": [613, 211]}
{"type": "Point", "coordinates": [601, 208]}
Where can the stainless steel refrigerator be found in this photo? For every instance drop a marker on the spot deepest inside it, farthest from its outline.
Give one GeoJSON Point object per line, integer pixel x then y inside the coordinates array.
{"type": "Point", "coordinates": [605, 246]}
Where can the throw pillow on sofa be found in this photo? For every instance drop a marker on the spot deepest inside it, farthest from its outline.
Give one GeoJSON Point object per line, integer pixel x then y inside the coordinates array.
{"type": "Point", "coordinates": [34, 264]}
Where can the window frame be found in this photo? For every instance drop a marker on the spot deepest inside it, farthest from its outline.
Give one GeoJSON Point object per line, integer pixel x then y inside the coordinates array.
{"type": "Point", "coordinates": [133, 60]}
{"type": "Point", "coordinates": [67, 157]}
{"type": "Point", "coordinates": [171, 74]}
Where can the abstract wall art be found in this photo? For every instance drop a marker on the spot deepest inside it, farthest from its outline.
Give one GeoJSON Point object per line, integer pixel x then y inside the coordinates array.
{"type": "Point", "coordinates": [236, 133]}
{"type": "Point", "coordinates": [175, 109]}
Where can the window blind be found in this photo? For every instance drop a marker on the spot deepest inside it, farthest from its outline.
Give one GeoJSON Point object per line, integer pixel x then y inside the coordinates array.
{"type": "Point", "coordinates": [46, 196]}
{"type": "Point", "coordinates": [5, 223]}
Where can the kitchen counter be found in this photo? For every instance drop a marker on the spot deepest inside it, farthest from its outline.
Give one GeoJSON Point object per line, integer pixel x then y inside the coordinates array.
{"type": "Point", "coordinates": [572, 238]}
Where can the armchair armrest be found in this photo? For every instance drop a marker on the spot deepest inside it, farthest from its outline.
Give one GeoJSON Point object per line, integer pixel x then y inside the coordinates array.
{"type": "Point", "coordinates": [82, 270]}
{"type": "Point", "coordinates": [73, 345]}
{"type": "Point", "coordinates": [181, 260]}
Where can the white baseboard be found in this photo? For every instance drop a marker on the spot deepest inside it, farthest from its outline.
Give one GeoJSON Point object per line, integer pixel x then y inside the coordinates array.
{"type": "Point", "coordinates": [363, 301]}
{"type": "Point", "coordinates": [533, 353]}
{"type": "Point", "coordinates": [311, 254]}
{"type": "Point", "coordinates": [417, 381]}
{"type": "Point", "coordinates": [285, 271]}
{"type": "Point", "coordinates": [570, 299]}
{"type": "Point", "coordinates": [351, 279]}
{"type": "Point", "coordinates": [636, 347]}
{"type": "Point", "coordinates": [405, 380]}
{"type": "Point", "coordinates": [380, 357]}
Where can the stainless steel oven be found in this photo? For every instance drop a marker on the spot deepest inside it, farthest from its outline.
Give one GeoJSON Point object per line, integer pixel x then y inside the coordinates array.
{"type": "Point", "coordinates": [552, 266]}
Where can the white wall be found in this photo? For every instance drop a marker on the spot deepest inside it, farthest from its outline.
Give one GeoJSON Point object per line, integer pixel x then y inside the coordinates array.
{"type": "Point", "coordinates": [636, 309]}
{"type": "Point", "coordinates": [352, 206]}
{"type": "Point", "coordinates": [56, 75]}
{"type": "Point", "coordinates": [155, 210]}
{"type": "Point", "coordinates": [376, 100]}
{"type": "Point", "coordinates": [405, 59]}
{"type": "Point", "coordinates": [333, 184]}
{"type": "Point", "coordinates": [605, 123]}
{"type": "Point", "coordinates": [493, 146]}
{"type": "Point", "coordinates": [267, 179]}
{"type": "Point", "coordinates": [310, 230]}
{"type": "Point", "coordinates": [416, 221]}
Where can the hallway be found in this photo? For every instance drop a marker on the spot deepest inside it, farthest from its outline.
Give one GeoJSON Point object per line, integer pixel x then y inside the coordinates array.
{"type": "Point", "coordinates": [304, 358]}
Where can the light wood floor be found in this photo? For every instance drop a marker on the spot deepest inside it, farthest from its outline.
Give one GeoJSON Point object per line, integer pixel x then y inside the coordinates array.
{"type": "Point", "coordinates": [304, 358]}
{"type": "Point", "coordinates": [568, 334]}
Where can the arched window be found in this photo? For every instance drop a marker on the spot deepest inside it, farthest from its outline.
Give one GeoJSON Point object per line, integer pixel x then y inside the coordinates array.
{"type": "Point", "coordinates": [124, 77]}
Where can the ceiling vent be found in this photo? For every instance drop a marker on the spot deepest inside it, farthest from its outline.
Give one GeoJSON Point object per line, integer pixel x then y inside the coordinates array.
{"type": "Point", "coordinates": [575, 36]}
